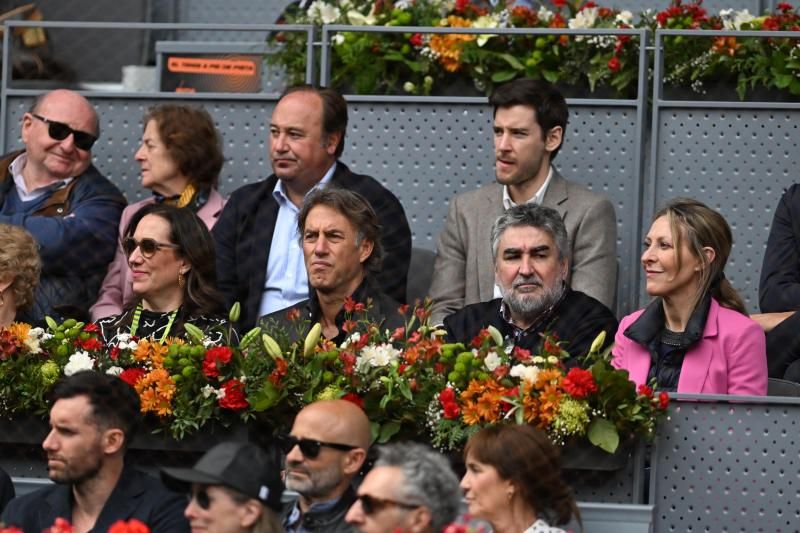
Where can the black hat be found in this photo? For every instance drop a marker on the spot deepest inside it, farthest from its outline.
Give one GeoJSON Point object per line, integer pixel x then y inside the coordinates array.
{"type": "Point", "coordinates": [242, 466]}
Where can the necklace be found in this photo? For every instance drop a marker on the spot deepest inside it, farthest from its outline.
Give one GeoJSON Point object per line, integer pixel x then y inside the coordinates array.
{"type": "Point", "coordinates": [137, 314]}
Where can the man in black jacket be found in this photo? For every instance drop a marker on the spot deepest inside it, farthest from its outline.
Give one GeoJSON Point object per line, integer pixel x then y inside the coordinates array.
{"type": "Point", "coordinates": [340, 238]}
{"type": "Point", "coordinates": [325, 450]}
{"type": "Point", "coordinates": [531, 262]}
{"type": "Point", "coordinates": [259, 261]}
{"type": "Point", "coordinates": [92, 419]}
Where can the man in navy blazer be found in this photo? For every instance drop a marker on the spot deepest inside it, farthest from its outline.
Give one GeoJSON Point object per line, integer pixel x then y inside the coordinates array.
{"type": "Point", "coordinates": [259, 260]}
{"type": "Point", "coordinates": [92, 420]}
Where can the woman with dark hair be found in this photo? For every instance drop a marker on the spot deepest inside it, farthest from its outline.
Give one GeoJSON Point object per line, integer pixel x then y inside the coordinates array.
{"type": "Point", "coordinates": [180, 158]}
{"type": "Point", "coordinates": [695, 336]}
{"type": "Point", "coordinates": [513, 480]}
{"type": "Point", "coordinates": [171, 257]}
{"type": "Point", "coordinates": [20, 266]}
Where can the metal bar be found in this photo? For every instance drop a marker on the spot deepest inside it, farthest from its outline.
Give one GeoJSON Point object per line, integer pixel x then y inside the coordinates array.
{"type": "Point", "coordinates": [157, 26]}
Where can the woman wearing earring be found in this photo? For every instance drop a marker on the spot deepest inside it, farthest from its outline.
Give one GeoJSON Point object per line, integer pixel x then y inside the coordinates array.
{"type": "Point", "coordinates": [171, 257]}
{"type": "Point", "coordinates": [695, 336]}
{"type": "Point", "coordinates": [513, 481]}
{"type": "Point", "coordinates": [19, 271]}
{"type": "Point", "coordinates": [180, 159]}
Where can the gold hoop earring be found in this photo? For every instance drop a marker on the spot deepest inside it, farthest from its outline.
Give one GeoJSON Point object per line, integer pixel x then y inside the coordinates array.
{"type": "Point", "coordinates": [181, 280]}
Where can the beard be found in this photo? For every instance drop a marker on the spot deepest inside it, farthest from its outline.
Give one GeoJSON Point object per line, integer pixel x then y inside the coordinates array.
{"type": "Point", "coordinates": [76, 473]}
{"type": "Point", "coordinates": [530, 305]}
{"type": "Point", "coordinates": [314, 484]}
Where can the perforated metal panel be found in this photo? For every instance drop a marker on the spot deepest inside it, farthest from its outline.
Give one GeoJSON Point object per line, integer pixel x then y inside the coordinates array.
{"type": "Point", "coordinates": [738, 161]}
{"type": "Point", "coordinates": [238, 12]}
{"type": "Point", "coordinates": [728, 467]}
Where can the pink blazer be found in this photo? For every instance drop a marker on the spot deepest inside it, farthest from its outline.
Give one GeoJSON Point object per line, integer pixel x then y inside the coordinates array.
{"type": "Point", "coordinates": [117, 289]}
{"type": "Point", "coordinates": [731, 358]}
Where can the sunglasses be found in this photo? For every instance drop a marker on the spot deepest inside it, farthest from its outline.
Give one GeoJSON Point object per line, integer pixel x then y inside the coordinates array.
{"type": "Point", "coordinates": [60, 131]}
{"type": "Point", "coordinates": [202, 498]}
{"type": "Point", "coordinates": [311, 448]}
{"type": "Point", "coordinates": [371, 504]}
{"type": "Point", "coordinates": [147, 247]}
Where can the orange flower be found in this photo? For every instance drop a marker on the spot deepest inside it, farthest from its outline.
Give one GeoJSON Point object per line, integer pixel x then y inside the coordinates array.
{"type": "Point", "coordinates": [20, 330]}
{"type": "Point", "coordinates": [481, 401]}
{"type": "Point", "coordinates": [448, 46]}
{"type": "Point", "coordinates": [549, 400]}
{"type": "Point", "coordinates": [156, 390]}
{"type": "Point", "coordinates": [548, 376]}
{"type": "Point", "coordinates": [151, 350]}
{"type": "Point", "coordinates": [726, 46]}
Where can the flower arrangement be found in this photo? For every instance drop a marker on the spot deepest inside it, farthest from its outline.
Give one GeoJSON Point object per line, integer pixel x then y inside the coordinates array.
{"type": "Point", "coordinates": [424, 64]}
{"type": "Point", "coordinates": [410, 383]}
{"type": "Point", "coordinates": [492, 383]}
{"type": "Point", "coordinates": [62, 525]}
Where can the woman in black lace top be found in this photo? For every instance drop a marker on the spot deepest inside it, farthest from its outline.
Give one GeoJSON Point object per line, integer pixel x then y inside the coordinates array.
{"type": "Point", "coordinates": [171, 256]}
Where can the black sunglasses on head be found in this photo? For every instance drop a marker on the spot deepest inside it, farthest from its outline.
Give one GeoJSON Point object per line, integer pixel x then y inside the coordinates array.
{"type": "Point", "coordinates": [60, 131]}
{"type": "Point", "coordinates": [372, 504]}
{"type": "Point", "coordinates": [147, 247]}
{"type": "Point", "coordinates": [310, 448]}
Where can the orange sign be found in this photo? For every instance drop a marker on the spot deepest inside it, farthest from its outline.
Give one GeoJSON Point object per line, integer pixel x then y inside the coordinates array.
{"type": "Point", "coordinates": [202, 65]}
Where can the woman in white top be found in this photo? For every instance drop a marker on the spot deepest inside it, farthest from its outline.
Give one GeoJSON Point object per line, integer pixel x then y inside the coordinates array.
{"type": "Point", "coordinates": [513, 481]}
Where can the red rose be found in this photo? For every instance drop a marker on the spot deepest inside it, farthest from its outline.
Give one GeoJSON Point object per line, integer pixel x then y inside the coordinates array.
{"type": "Point", "coordinates": [91, 328]}
{"type": "Point", "coordinates": [614, 64]}
{"type": "Point", "coordinates": [450, 410]}
{"type": "Point", "coordinates": [90, 345]}
{"type": "Point", "coordinates": [645, 390]}
{"type": "Point", "coordinates": [234, 395]}
{"type": "Point", "coordinates": [579, 383]}
{"type": "Point", "coordinates": [132, 375]}
{"type": "Point", "coordinates": [521, 354]}
{"type": "Point", "coordinates": [216, 357]}
{"type": "Point", "coordinates": [663, 400]}
{"type": "Point", "coordinates": [132, 526]}
{"type": "Point", "coordinates": [448, 395]}
{"type": "Point", "coordinates": [416, 39]}
{"type": "Point", "coordinates": [354, 398]}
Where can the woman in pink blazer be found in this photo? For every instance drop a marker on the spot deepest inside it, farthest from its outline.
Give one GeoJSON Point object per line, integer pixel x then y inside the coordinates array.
{"type": "Point", "coordinates": [695, 336]}
{"type": "Point", "coordinates": [180, 159]}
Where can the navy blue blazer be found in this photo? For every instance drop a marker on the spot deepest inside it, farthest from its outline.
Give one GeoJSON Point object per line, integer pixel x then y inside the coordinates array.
{"type": "Point", "coordinates": [136, 495]}
{"type": "Point", "coordinates": [243, 236]}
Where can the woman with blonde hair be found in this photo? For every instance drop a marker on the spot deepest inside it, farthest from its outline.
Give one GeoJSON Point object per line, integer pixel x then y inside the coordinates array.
{"type": "Point", "coordinates": [695, 336]}
{"type": "Point", "coordinates": [20, 267]}
{"type": "Point", "coordinates": [513, 481]}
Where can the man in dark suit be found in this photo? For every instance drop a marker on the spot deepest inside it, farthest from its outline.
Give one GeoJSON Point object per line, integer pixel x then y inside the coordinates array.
{"type": "Point", "coordinates": [342, 250]}
{"type": "Point", "coordinates": [779, 289]}
{"type": "Point", "coordinates": [92, 420]}
{"type": "Point", "coordinates": [531, 265]}
{"type": "Point", "coordinates": [259, 261]}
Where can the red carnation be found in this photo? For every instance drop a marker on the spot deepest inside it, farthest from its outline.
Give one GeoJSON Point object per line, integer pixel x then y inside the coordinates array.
{"type": "Point", "coordinates": [521, 354]}
{"type": "Point", "coordinates": [645, 390]}
{"type": "Point", "coordinates": [90, 345]}
{"type": "Point", "coordinates": [447, 395]}
{"type": "Point", "coordinates": [451, 411]}
{"type": "Point", "coordinates": [614, 64]}
{"type": "Point", "coordinates": [132, 526]}
{"type": "Point", "coordinates": [132, 375]}
{"type": "Point", "coordinates": [785, 6]}
{"type": "Point", "coordinates": [354, 398]}
{"type": "Point", "coordinates": [579, 383]}
{"type": "Point", "coordinates": [234, 395]}
{"type": "Point", "coordinates": [416, 39]}
{"type": "Point", "coordinates": [663, 400]}
{"type": "Point", "coordinates": [216, 357]}
{"type": "Point", "coordinates": [91, 328]}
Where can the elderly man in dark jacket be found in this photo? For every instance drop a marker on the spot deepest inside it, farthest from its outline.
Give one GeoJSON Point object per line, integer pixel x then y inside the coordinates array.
{"type": "Point", "coordinates": [529, 244]}
{"type": "Point", "coordinates": [52, 190]}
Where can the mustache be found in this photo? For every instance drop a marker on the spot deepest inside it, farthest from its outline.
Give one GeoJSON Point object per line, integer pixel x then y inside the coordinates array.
{"type": "Point", "coordinates": [527, 280]}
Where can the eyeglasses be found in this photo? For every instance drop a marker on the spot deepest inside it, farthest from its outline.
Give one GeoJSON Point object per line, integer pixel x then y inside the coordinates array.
{"type": "Point", "coordinates": [371, 504]}
{"type": "Point", "coordinates": [148, 247]}
{"type": "Point", "coordinates": [60, 131]}
{"type": "Point", "coordinates": [202, 498]}
{"type": "Point", "coordinates": [311, 448]}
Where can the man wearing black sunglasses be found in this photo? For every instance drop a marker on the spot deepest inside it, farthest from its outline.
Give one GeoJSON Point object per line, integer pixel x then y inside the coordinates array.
{"type": "Point", "coordinates": [324, 452]}
{"type": "Point", "coordinates": [52, 189]}
{"type": "Point", "coordinates": [411, 488]}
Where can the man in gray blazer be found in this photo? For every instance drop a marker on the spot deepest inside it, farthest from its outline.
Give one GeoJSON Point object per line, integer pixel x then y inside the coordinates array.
{"type": "Point", "coordinates": [530, 117]}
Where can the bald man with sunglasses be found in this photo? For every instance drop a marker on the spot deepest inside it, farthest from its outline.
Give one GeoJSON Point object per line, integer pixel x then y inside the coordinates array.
{"type": "Point", "coordinates": [325, 450]}
{"type": "Point", "coordinates": [52, 190]}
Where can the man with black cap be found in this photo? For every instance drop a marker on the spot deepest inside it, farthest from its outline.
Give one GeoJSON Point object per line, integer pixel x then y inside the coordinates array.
{"type": "Point", "coordinates": [235, 488]}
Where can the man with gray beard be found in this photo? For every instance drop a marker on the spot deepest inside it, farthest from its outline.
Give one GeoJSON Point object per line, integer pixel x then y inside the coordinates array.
{"type": "Point", "coordinates": [531, 264]}
{"type": "Point", "coordinates": [324, 451]}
